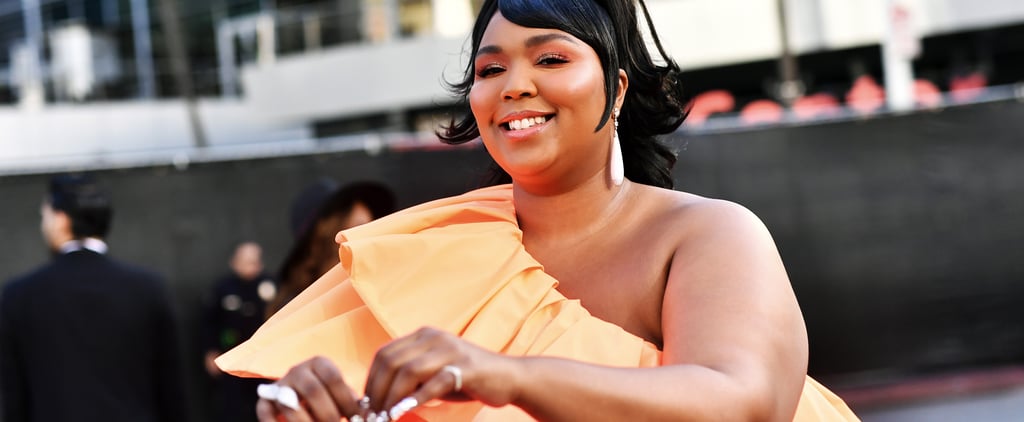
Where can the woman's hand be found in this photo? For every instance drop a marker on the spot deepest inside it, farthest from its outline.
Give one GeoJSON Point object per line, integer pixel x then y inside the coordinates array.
{"type": "Point", "coordinates": [321, 390]}
{"type": "Point", "coordinates": [414, 367]}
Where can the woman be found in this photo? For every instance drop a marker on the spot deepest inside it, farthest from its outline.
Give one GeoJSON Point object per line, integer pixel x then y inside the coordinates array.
{"type": "Point", "coordinates": [667, 306]}
{"type": "Point", "coordinates": [317, 214]}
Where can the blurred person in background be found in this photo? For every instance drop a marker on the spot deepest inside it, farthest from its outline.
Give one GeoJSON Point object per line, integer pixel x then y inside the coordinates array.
{"type": "Point", "coordinates": [317, 214]}
{"type": "Point", "coordinates": [86, 337]}
{"type": "Point", "coordinates": [234, 311]}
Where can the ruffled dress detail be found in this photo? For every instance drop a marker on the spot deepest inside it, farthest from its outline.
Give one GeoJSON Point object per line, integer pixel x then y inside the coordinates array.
{"type": "Point", "coordinates": [456, 264]}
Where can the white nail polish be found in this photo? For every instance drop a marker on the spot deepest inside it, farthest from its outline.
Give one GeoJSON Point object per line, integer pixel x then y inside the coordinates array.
{"type": "Point", "coordinates": [356, 418]}
{"type": "Point", "coordinates": [403, 407]}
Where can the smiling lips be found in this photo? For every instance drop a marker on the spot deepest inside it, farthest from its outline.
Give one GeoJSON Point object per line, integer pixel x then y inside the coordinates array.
{"type": "Point", "coordinates": [525, 123]}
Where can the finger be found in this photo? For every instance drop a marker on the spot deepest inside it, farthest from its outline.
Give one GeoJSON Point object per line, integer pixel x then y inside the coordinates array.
{"type": "Point", "coordinates": [410, 375]}
{"type": "Point", "coordinates": [280, 399]}
{"type": "Point", "coordinates": [345, 401]}
{"type": "Point", "coordinates": [265, 411]}
{"type": "Point", "coordinates": [291, 415]}
{"type": "Point", "coordinates": [319, 402]}
{"type": "Point", "coordinates": [386, 363]}
{"type": "Point", "coordinates": [440, 385]}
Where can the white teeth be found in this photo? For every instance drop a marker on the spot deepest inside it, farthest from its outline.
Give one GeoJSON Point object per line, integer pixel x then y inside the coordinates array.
{"type": "Point", "coordinates": [526, 123]}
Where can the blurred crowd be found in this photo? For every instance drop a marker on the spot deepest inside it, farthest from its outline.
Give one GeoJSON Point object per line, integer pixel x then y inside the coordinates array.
{"type": "Point", "coordinates": [86, 331]}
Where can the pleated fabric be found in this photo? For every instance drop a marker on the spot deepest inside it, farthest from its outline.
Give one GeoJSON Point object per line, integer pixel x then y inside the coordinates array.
{"type": "Point", "coordinates": [456, 264]}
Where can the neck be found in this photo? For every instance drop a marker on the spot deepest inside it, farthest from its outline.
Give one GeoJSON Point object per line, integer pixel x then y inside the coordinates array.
{"type": "Point", "coordinates": [572, 215]}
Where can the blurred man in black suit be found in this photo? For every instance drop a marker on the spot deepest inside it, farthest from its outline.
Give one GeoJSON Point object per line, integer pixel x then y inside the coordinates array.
{"type": "Point", "coordinates": [84, 337]}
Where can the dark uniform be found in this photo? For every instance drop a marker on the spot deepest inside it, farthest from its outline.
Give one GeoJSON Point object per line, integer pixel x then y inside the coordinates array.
{"type": "Point", "coordinates": [234, 311]}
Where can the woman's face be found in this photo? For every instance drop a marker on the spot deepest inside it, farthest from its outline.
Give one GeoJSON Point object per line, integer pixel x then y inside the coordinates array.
{"type": "Point", "coordinates": [537, 96]}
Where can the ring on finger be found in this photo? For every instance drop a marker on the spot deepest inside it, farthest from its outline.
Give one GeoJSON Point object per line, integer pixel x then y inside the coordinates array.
{"type": "Point", "coordinates": [457, 373]}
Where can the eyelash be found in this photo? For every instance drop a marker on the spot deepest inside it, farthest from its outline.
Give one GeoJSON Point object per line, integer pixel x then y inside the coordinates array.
{"type": "Point", "coordinates": [556, 58]}
{"type": "Point", "coordinates": [488, 70]}
{"type": "Point", "coordinates": [544, 60]}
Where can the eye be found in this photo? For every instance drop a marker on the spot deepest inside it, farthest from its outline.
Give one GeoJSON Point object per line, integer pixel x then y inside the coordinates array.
{"type": "Point", "coordinates": [552, 59]}
{"type": "Point", "coordinates": [490, 69]}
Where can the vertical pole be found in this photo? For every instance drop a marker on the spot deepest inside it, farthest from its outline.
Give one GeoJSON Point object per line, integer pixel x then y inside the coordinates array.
{"type": "Point", "coordinates": [181, 68]}
{"type": "Point", "coordinates": [899, 47]}
{"type": "Point", "coordinates": [393, 18]}
{"type": "Point", "coordinates": [143, 49]}
{"type": "Point", "coordinates": [226, 59]}
{"type": "Point", "coordinates": [790, 87]}
{"type": "Point", "coordinates": [31, 93]}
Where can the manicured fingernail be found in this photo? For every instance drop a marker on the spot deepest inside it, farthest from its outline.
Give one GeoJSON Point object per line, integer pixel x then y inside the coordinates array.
{"type": "Point", "coordinates": [356, 418]}
{"type": "Point", "coordinates": [383, 417]}
{"type": "Point", "coordinates": [402, 407]}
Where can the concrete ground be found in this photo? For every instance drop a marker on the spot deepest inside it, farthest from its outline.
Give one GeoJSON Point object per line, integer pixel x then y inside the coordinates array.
{"type": "Point", "coordinates": [989, 395]}
{"type": "Point", "coordinates": [993, 406]}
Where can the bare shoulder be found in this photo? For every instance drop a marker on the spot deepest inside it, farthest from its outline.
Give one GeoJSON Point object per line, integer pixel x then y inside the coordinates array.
{"type": "Point", "coordinates": [689, 215]}
{"type": "Point", "coordinates": [728, 304]}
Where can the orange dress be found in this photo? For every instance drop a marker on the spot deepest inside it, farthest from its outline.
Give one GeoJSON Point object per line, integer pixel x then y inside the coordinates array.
{"type": "Point", "coordinates": [456, 264]}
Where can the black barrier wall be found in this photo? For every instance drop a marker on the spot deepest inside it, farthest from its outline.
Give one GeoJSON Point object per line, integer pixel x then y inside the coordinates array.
{"type": "Point", "coordinates": [902, 235]}
{"type": "Point", "coordinates": [184, 224]}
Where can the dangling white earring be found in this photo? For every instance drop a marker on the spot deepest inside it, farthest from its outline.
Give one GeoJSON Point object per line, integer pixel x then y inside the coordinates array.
{"type": "Point", "coordinates": [615, 167]}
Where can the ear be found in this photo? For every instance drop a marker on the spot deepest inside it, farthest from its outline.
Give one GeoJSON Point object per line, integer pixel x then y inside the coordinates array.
{"type": "Point", "coordinates": [620, 94]}
{"type": "Point", "coordinates": [62, 224]}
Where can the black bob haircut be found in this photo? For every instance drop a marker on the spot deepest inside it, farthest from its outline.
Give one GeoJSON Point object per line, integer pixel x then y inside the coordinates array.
{"type": "Point", "coordinates": [85, 202]}
{"type": "Point", "coordinates": [654, 104]}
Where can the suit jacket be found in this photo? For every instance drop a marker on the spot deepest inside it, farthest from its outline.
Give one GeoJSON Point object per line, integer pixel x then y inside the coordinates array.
{"type": "Point", "coordinates": [87, 338]}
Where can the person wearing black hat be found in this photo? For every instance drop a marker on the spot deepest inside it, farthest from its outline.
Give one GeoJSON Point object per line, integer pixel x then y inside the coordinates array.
{"type": "Point", "coordinates": [318, 213]}
{"type": "Point", "coordinates": [86, 337]}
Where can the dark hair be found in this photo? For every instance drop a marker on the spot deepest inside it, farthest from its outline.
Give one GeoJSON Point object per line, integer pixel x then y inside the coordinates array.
{"type": "Point", "coordinates": [654, 103]}
{"type": "Point", "coordinates": [86, 204]}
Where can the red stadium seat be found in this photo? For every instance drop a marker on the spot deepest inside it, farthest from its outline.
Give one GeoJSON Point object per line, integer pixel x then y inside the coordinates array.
{"type": "Point", "coordinates": [761, 111]}
{"type": "Point", "coordinates": [816, 105]}
{"type": "Point", "coordinates": [865, 96]}
{"type": "Point", "coordinates": [926, 94]}
{"type": "Point", "coordinates": [708, 103]}
{"type": "Point", "coordinates": [967, 87]}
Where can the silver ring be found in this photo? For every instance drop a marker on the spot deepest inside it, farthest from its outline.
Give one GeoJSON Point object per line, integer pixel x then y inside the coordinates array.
{"type": "Point", "coordinates": [282, 394]}
{"type": "Point", "coordinates": [457, 373]}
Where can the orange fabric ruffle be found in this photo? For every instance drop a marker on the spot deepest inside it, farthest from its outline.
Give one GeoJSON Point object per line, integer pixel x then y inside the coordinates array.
{"type": "Point", "coordinates": [456, 264]}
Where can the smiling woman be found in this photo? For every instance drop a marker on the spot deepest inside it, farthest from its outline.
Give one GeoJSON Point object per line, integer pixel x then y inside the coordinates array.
{"type": "Point", "coordinates": [592, 30]}
{"type": "Point", "coordinates": [585, 289]}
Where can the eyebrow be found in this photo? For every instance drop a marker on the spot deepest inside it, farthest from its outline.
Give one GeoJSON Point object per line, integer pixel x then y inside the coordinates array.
{"type": "Point", "coordinates": [530, 42]}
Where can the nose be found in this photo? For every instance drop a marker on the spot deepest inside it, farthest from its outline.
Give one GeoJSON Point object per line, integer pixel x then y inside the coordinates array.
{"type": "Point", "coordinates": [518, 84]}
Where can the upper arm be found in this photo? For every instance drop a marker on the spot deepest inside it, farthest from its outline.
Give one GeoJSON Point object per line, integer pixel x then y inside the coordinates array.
{"type": "Point", "coordinates": [729, 307]}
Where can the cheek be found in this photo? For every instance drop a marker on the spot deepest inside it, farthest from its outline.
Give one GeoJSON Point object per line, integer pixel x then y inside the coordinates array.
{"type": "Point", "coordinates": [481, 101]}
{"type": "Point", "coordinates": [583, 89]}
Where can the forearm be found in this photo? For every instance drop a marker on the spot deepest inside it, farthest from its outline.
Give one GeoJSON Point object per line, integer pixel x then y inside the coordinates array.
{"type": "Point", "coordinates": [553, 389]}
